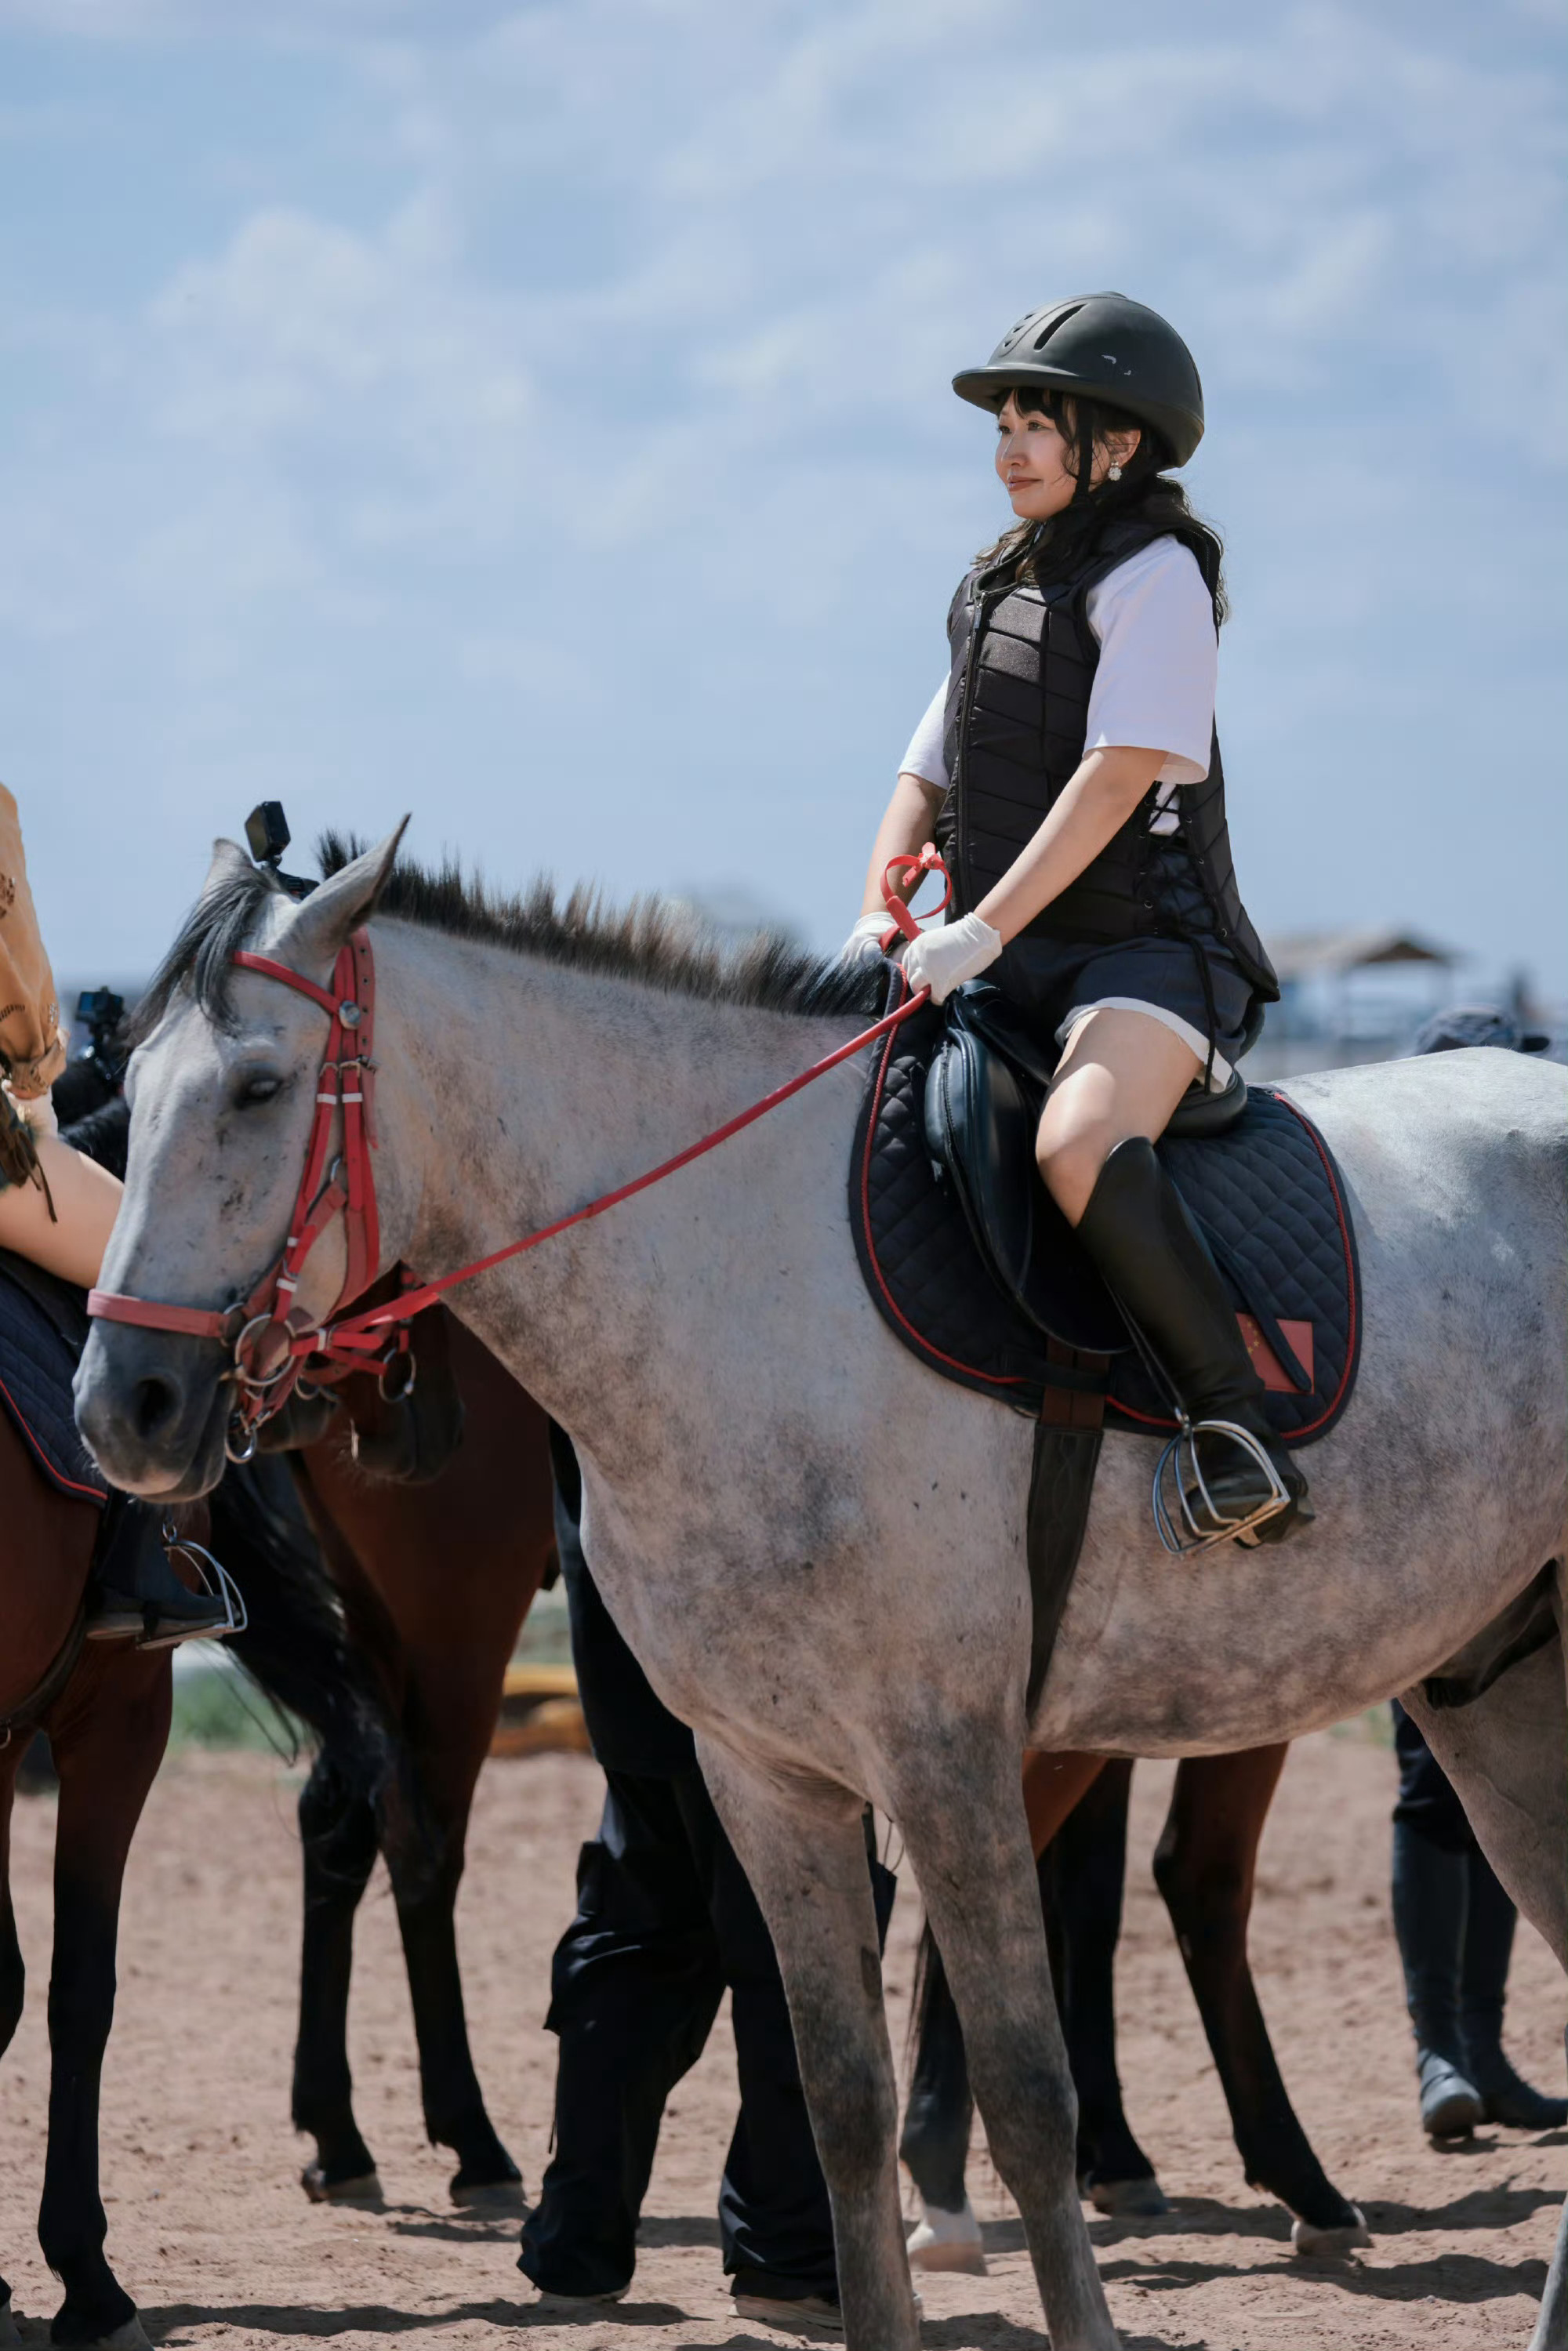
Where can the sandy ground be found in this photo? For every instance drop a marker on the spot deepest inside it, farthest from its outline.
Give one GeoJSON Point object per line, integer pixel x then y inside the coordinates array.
{"type": "Point", "coordinates": [209, 2230]}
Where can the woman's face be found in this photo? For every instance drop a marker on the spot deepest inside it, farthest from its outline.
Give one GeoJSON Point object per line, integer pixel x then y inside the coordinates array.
{"type": "Point", "coordinates": [1034, 461]}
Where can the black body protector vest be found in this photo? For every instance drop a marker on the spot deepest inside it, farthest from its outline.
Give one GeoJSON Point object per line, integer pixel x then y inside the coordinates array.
{"type": "Point", "coordinates": [1023, 661]}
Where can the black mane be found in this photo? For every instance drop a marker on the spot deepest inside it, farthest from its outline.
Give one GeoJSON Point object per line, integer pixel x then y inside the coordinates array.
{"type": "Point", "coordinates": [651, 941]}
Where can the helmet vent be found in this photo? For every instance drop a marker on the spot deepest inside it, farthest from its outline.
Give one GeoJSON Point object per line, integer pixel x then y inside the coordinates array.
{"type": "Point", "coordinates": [1061, 320]}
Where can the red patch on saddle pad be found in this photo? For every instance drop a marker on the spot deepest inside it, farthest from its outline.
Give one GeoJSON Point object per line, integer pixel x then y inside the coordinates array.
{"type": "Point", "coordinates": [1267, 1365]}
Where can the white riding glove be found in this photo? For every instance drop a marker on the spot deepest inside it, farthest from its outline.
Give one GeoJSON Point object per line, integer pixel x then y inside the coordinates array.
{"type": "Point", "coordinates": [864, 942]}
{"type": "Point", "coordinates": [943, 961]}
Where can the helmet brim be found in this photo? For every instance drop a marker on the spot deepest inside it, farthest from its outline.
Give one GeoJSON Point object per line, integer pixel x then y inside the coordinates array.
{"type": "Point", "coordinates": [985, 387]}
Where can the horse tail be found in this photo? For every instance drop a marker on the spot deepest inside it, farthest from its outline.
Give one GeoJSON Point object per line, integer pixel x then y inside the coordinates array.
{"type": "Point", "coordinates": [299, 1651]}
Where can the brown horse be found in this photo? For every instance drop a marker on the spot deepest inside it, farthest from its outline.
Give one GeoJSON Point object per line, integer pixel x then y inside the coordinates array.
{"type": "Point", "coordinates": [105, 1707]}
{"type": "Point", "coordinates": [435, 1554]}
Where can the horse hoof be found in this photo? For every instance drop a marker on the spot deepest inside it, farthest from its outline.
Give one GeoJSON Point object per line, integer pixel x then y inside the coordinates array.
{"type": "Point", "coordinates": [365, 2190]}
{"type": "Point", "coordinates": [9, 2336]}
{"type": "Point", "coordinates": [947, 2241]}
{"type": "Point", "coordinates": [1345, 2237]}
{"type": "Point", "coordinates": [130, 2336]}
{"type": "Point", "coordinates": [1129, 2199]}
{"type": "Point", "coordinates": [490, 2196]}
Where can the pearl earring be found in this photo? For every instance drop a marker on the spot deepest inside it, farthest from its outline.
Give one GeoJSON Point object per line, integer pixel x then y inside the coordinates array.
{"type": "Point", "coordinates": [1115, 473]}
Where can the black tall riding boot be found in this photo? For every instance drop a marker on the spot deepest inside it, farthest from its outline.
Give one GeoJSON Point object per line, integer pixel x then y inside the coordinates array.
{"type": "Point", "coordinates": [1483, 1981]}
{"type": "Point", "coordinates": [1156, 1264]}
{"type": "Point", "coordinates": [1431, 1896]}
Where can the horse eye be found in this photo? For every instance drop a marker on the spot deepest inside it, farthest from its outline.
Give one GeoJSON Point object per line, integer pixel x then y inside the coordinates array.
{"type": "Point", "coordinates": [258, 1086]}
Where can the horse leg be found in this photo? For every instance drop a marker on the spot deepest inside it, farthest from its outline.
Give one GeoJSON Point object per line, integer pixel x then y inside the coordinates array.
{"type": "Point", "coordinates": [454, 2113]}
{"type": "Point", "coordinates": [338, 1841]}
{"type": "Point", "coordinates": [1507, 1755]}
{"type": "Point", "coordinates": [803, 1846]}
{"type": "Point", "coordinates": [934, 2143]}
{"type": "Point", "coordinates": [108, 1734]}
{"type": "Point", "coordinates": [1082, 1874]}
{"type": "Point", "coordinates": [1205, 1867]}
{"type": "Point", "coordinates": [456, 1710]}
{"type": "Point", "coordinates": [12, 1974]}
{"type": "Point", "coordinates": [976, 1874]}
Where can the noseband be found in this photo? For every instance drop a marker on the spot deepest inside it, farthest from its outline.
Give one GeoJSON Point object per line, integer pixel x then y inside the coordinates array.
{"type": "Point", "coordinates": [270, 1341]}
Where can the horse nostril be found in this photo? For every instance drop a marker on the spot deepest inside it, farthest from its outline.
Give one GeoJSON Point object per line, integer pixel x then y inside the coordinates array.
{"type": "Point", "coordinates": [155, 1404]}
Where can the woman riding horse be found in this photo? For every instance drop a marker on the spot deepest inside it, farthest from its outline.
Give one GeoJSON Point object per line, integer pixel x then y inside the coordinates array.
{"type": "Point", "coordinates": [57, 1209]}
{"type": "Point", "coordinates": [1069, 769]}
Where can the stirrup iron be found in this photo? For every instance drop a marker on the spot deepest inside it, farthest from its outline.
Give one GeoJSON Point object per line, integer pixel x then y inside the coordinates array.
{"type": "Point", "coordinates": [216, 1582]}
{"type": "Point", "coordinates": [1179, 1464]}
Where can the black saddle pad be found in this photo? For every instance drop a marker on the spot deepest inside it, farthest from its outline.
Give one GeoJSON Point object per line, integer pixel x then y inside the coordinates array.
{"type": "Point", "coordinates": [1265, 1193]}
{"type": "Point", "coordinates": [43, 1330]}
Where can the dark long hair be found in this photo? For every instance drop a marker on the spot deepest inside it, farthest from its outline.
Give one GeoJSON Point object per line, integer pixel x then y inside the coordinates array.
{"type": "Point", "coordinates": [1046, 551]}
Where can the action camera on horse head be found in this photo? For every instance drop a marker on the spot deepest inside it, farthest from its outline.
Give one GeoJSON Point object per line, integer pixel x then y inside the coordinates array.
{"type": "Point", "coordinates": [267, 837]}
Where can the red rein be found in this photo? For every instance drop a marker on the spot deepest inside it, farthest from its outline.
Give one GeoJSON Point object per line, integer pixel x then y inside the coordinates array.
{"type": "Point", "coordinates": [270, 1341]}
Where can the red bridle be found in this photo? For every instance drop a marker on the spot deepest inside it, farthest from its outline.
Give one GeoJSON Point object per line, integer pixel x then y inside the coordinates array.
{"type": "Point", "coordinates": [269, 1339]}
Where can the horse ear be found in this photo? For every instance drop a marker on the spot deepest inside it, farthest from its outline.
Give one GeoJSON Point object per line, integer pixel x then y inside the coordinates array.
{"type": "Point", "coordinates": [326, 918]}
{"type": "Point", "coordinates": [228, 860]}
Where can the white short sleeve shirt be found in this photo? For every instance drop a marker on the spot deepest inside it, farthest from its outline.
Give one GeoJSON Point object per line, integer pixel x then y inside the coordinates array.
{"type": "Point", "coordinates": [1154, 685]}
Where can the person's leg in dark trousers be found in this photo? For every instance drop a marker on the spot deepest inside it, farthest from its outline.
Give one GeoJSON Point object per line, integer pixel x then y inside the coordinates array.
{"type": "Point", "coordinates": [635, 1987]}
{"type": "Point", "coordinates": [1489, 1920]}
{"type": "Point", "coordinates": [1454, 1924]}
{"type": "Point", "coordinates": [1432, 1843]}
{"type": "Point", "coordinates": [775, 2223]}
{"type": "Point", "coordinates": [666, 1918]}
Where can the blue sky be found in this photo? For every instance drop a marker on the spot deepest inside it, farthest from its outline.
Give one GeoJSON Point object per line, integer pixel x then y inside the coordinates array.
{"type": "Point", "coordinates": [538, 418]}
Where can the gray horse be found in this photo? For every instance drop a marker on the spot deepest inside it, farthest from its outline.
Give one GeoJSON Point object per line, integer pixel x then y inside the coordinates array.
{"type": "Point", "coordinates": [814, 1545]}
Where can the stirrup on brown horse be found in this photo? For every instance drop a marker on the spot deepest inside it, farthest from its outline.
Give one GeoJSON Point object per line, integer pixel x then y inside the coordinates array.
{"type": "Point", "coordinates": [137, 1596]}
{"type": "Point", "coordinates": [1233, 1477]}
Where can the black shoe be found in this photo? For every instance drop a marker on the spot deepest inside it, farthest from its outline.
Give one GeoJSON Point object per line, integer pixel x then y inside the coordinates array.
{"type": "Point", "coordinates": [1508, 2098]}
{"type": "Point", "coordinates": [778, 2301]}
{"type": "Point", "coordinates": [135, 1593]}
{"type": "Point", "coordinates": [1450, 2105]}
{"type": "Point", "coordinates": [157, 1623]}
{"type": "Point", "coordinates": [1157, 1266]}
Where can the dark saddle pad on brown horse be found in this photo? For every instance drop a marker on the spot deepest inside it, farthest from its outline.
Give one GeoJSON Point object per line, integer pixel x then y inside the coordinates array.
{"type": "Point", "coordinates": [43, 1330]}
{"type": "Point", "coordinates": [975, 1268]}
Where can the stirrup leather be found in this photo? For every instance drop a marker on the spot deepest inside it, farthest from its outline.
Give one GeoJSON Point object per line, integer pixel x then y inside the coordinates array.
{"type": "Point", "coordinates": [1179, 1464]}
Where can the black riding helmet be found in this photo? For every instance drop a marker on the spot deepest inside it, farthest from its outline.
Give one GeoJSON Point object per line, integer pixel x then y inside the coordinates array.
{"type": "Point", "coordinates": [1107, 349]}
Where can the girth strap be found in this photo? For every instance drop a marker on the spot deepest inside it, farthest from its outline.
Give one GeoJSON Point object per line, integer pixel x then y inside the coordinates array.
{"type": "Point", "coordinates": [1062, 1485]}
{"type": "Point", "coordinates": [27, 1712]}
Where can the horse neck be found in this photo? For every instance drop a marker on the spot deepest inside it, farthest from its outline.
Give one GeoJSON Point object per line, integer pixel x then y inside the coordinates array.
{"type": "Point", "coordinates": [539, 1087]}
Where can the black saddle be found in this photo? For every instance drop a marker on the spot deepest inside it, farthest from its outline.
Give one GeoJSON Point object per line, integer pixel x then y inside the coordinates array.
{"type": "Point", "coordinates": [973, 1265]}
{"type": "Point", "coordinates": [43, 1330]}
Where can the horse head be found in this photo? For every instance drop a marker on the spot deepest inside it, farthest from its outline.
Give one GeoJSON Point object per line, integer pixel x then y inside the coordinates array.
{"type": "Point", "coordinates": [223, 1085]}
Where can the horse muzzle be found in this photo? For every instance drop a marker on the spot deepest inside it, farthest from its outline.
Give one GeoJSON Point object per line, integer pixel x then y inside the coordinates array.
{"type": "Point", "coordinates": [153, 1410]}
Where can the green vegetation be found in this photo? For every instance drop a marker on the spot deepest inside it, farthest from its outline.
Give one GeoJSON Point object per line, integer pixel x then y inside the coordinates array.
{"type": "Point", "coordinates": [215, 1705]}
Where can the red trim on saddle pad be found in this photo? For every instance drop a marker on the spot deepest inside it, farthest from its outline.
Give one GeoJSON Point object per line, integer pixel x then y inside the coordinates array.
{"type": "Point", "coordinates": [51, 1469]}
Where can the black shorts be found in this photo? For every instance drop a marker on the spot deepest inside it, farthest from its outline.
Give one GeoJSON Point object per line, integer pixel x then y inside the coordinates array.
{"type": "Point", "coordinates": [1057, 981]}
